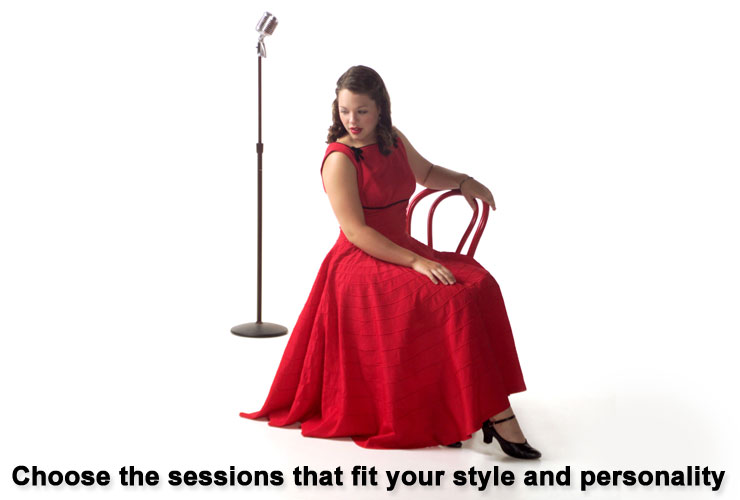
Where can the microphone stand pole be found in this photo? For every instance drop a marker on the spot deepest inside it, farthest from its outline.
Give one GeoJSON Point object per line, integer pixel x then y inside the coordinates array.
{"type": "Point", "coordinates": [259, 329]}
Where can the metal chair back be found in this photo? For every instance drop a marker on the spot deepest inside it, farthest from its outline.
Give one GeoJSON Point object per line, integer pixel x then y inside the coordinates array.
{"type": "Point", "coordinates": [453, 192]}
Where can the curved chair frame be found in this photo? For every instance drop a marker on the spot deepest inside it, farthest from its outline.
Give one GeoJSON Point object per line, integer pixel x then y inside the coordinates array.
{"type": "Point", "coordinates": [453, 192]}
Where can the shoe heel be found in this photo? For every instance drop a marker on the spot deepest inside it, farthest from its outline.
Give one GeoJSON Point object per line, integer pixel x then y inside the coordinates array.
{"type": "Point", "coordinates": [487, 429]}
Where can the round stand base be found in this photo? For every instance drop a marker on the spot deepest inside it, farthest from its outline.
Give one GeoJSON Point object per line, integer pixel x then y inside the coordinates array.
{"type": "Point", "coordinates": [259, 330]}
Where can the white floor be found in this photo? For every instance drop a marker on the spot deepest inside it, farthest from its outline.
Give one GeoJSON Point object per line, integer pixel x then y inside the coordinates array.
{"type": "Point", "coordinates": [172, 404]}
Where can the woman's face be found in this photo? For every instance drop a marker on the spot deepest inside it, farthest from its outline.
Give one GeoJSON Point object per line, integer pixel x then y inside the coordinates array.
{"type": "Point", "coordinates": [359, 115]}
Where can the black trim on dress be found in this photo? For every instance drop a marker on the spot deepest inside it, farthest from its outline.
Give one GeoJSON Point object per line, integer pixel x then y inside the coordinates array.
{"type": "Point", "coordinates": [379, 208]}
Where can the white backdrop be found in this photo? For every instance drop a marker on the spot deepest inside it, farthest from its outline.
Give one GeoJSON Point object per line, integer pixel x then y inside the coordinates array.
{"type": "Point", "coordinates": [607, 131]}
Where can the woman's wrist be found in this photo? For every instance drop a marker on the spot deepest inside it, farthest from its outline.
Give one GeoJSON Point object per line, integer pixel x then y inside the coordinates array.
{"type": "Point", "coordinates": [438, 177]}
{"type": "Point", "coordinates": [414, 259]}
{"type": "Point", "coordinates": [463, 181]}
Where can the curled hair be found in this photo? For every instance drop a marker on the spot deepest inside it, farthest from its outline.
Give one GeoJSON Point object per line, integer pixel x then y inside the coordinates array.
{"type": "Point", "coordinates": [366, 81]}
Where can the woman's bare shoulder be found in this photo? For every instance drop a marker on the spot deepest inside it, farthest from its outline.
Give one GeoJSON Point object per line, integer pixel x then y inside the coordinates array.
{"type": "Point", "coordinates": [337, 160]}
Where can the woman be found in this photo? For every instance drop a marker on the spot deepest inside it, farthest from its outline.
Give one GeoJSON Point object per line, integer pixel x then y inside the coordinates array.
{"type": "Point", "coordinates": [398, 346]}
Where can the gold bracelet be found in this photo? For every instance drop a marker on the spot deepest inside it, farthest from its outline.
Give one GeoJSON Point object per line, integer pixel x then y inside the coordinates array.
{"type": "Point", "coordinates": [467, 177]}
{"type": "Point", "coordinates": [428, 172]}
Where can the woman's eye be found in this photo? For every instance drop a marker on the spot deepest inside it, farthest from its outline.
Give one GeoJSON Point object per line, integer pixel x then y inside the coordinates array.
{"type": "Point", "coordinates": [363, 112]}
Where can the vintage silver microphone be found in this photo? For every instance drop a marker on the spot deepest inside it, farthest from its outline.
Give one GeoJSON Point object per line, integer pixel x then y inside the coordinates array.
{"type": "Point", "coordinates": [265, 26]}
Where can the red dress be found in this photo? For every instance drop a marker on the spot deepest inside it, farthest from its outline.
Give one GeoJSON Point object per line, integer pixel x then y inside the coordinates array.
{"type": "Point", "coordinates": [383, 355]}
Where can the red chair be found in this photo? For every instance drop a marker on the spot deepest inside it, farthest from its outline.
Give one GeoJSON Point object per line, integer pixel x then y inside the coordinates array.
{"type": "Point", "coordinates": [453, 192]}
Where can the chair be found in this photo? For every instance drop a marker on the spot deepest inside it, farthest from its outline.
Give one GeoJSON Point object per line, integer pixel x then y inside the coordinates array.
{"type": "Point", "coordinates": [453, 192]}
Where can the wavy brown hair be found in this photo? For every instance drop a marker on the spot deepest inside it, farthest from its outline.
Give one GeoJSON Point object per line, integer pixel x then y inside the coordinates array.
{"type": "Point", "coordinates": [366, 81]}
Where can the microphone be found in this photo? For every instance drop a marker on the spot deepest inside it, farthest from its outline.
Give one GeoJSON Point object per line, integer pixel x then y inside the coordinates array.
{"type": "Point", "coordinates": [265, 27]}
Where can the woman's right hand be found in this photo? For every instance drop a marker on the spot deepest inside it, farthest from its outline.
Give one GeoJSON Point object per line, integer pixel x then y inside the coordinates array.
{"type": "Point", "coordinates": [433, 270]}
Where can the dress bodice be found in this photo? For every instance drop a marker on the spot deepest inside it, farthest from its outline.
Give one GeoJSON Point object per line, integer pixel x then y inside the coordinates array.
{"type": "Point", "coordinates": [385, 184]}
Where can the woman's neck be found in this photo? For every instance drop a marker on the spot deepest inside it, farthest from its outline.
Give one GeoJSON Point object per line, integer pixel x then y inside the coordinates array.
{"type": "Point", "coordinates": [347, 140]}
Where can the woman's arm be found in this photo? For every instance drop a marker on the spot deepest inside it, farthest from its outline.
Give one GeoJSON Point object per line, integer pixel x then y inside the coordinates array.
{"type": "Point", "coordinates": [340, 181]}
{"type": "Point", "coordinates": [436, 177]}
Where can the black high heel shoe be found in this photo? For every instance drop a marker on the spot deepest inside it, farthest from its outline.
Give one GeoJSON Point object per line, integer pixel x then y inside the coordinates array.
{"type": "Point", "coordinates": [516, 450]}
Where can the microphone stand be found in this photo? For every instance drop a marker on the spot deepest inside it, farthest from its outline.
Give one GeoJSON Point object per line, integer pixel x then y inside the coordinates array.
{"type": "Point", "coordinates": [259, 329]}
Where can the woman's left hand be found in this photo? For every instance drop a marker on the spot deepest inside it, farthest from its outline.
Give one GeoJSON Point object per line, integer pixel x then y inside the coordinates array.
{"type": "Point", "coordinates": [472, 189]}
